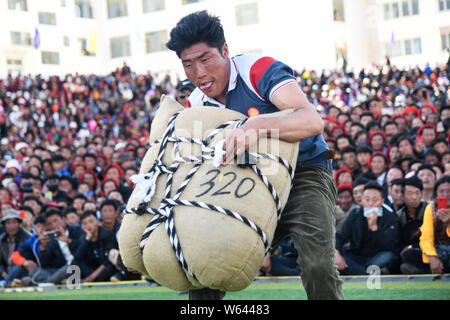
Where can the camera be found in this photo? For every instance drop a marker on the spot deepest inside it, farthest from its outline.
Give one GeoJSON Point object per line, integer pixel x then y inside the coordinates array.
{"type": "Point", "coordinates": [53, 235]}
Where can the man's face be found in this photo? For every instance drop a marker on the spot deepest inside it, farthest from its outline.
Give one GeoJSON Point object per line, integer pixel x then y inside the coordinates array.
{"type": "Point", "coordinates": [441, 147]}
{"type": "Point", "coordinates": [391, 129]}
{"type": "Point", "coordinates": [90, 223]}
{"type": "Point", "coordinates": [428, 135]}
{"type": "Point", "coordinates": [350, 160]}
{"type": "Point", "coordinates": [12, 226]}
{"type": "Point", "coordinates": [54, 222]}
{"type": "Point", "coordinates": [404, 147]}
{"type": "Point", "coordinates": [358, 194]}
{"type": "Point", "coordinates": [378, 165]}
{"type": "Point", "coordinates": [444, 191]}
{"type": "Point", "coordinates": [207, 69]}
{"type": "Point", "coordinates": [377, 142]}
{"type": "Point", "coordinates": [342, 143]}
{"type": "Point", "coordinates": [108, 214]}
{"type": "Point", "coordinates": [345, 200]}
{"type": "Point", "coordinates": [65, 185]}
{"type": "Point", "coordinates": [392, 174]}
{"type": "Point", "coordinates": [401, 123]}
{"type": "Point", "coordinates": [90, 163]}
{"type": "Point", "coordinates": [427, 177]}
{"type": "Point", "coordinates": [363, 158]}
{"type": "Point", "coordinates": [372, 198]}
{"type": "Point", "coordinates": [72, 218]}
{"type": "Point", "coordinates": [395, 192]}
{"type": "Point", "coordinates": [412, 196]}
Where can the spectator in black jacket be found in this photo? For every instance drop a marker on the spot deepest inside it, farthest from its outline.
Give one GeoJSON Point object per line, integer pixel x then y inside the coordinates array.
{"type": "Point", "coordinates": [92, 254]}
{"type": "Point", "coordinates": [373, 233]}
{"type": "Point", "coordinates": [56, 254]}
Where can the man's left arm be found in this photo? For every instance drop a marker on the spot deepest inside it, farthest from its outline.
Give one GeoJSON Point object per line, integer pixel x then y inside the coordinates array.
{"type": "Point", "coordinates": [303, 123]}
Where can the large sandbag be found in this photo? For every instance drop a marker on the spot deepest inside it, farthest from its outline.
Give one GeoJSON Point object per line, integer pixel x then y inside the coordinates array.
{"type": "Point", "coordinates": [213, 225]}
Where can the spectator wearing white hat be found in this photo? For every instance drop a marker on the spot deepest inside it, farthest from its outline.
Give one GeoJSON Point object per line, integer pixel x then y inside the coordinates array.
{"type": "Point", "coordinates": [10, 240]}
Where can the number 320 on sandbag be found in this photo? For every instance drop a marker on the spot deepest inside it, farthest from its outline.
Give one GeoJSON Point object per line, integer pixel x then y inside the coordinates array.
{"type": "Point", "coordinates": [243, 188]}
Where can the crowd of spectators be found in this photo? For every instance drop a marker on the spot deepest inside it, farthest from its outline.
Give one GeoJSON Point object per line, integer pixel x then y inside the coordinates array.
{"type": "Point", "coordinates": [68, 147]}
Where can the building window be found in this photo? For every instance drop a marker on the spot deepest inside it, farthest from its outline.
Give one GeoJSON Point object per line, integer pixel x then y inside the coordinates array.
{"type": "Point", "coordinates": [417, 46]}
{"type": "Point", "coordinates": [153, 5]}
{"type": "Point", "coordinates": [83, 9]}
{"type": "Point", "coordinates": [395, 10]}
{"type": "Point", "coordinates": [14, 66]}
{"type": "Point", "coordinates": [444, 5]}
{"type": "Point", "coordinates": [155, 41]}
{"type": "Point", "coordinates": [47, 18]}
{"type": "Point", "coordinates": [21, 38]}
{"type": "Point", "coordinates": [387, 11]}
{"type": "Point", "coordinates": [84, 47]}
{"type": "Point", "coordinates": [408, 50]}
{"type": "Point", "coordinates": [247, 14]}
{"type": "Point", "coordinates": [415, 6]}
{"type": "Point", "coordinates": [405, 8]}
{"type": "Point", "coordinates": [338, 10]}
{"type": "Point", "coordinates": [190, 1]}
{"type": "Point", "coordinates": [49, 57]}
{"type": "Point", "coordinates": [117, 8]}
{"type": "Point", "coordinates": [120, 47]}
{"type": "Point", "coordinates": [18, 5]}
{"type": "Point", "coordinates": [66, 41]}
{"type": "Point", "coordinates": [445, 40]}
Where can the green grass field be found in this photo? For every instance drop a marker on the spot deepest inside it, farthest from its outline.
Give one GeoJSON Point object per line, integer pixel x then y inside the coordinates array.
{"type": "Point", "coordinates": [399, 290]}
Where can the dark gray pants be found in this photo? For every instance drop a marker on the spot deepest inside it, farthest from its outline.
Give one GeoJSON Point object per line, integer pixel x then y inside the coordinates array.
{"type": "Point", "coordinates": [308, 218]}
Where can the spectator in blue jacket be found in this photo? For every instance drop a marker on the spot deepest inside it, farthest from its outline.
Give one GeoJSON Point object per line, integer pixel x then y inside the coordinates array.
{"type": "Point", "coordinates": [25, 257]}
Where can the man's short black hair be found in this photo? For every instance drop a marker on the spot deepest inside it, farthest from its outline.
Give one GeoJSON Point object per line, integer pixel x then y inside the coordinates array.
{"type": "Point", "coordinates": [364, 149]}
{"type": "Point", "coordinates": [32, 197]}
{"type": "Point", "coordinates": [439, 140]}
{"type": "Point", "coordinates": [432, 152]}
{"type": "Point", "coordinates": [388, 123]}
{"type": "Point", "coordinates": [110, 202]}
{"type": "Point", "coordinates": [27, 208]}
{"type": "Point", "coordinates": [373, 184]}
{"type": "Point", "coordinates": [443, 179]}
{"type": "Point", "coordinates": [426, 167]}
{"type": "Point", "coordinates": [348, 149]}
{"type": "Point", "coordinates": [195, 28]}
{"type": "Point", "coordinates": [67, 210]}
{"type": "Point", "coordinates": [51, 212]}
{"type": "Point", "coordinates": [87, 214]}
{"type": "Point", "coordinates": [412, 181]}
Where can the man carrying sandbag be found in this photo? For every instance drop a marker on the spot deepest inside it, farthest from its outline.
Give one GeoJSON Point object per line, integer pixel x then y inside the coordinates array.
{"type": "Point", "coordinates": [253, 85]}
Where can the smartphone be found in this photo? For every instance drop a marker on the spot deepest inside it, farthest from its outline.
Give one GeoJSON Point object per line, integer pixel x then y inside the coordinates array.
{"type": "Point", "coordinates": [441, 202]}
{"type": "Point", "coordinates": [53, 235]}
{"type": "Point", "coordinates": [419, 139]}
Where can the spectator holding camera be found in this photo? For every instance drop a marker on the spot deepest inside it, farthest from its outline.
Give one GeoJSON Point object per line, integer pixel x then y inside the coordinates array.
{"type": "Point", "coordinates": [92, 253]}
{"type": "Point", "coordinates": [58, 245]}
{"type": "Point", "coordinates": [373, 233]}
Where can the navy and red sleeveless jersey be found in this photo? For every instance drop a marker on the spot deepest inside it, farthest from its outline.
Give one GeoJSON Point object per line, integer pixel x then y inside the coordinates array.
{"type": "Point", "coordinates": [254, 79]}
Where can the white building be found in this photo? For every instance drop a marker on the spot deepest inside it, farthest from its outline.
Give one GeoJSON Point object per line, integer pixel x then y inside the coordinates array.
{"type": "Point", "coordinates": [303, 33]}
